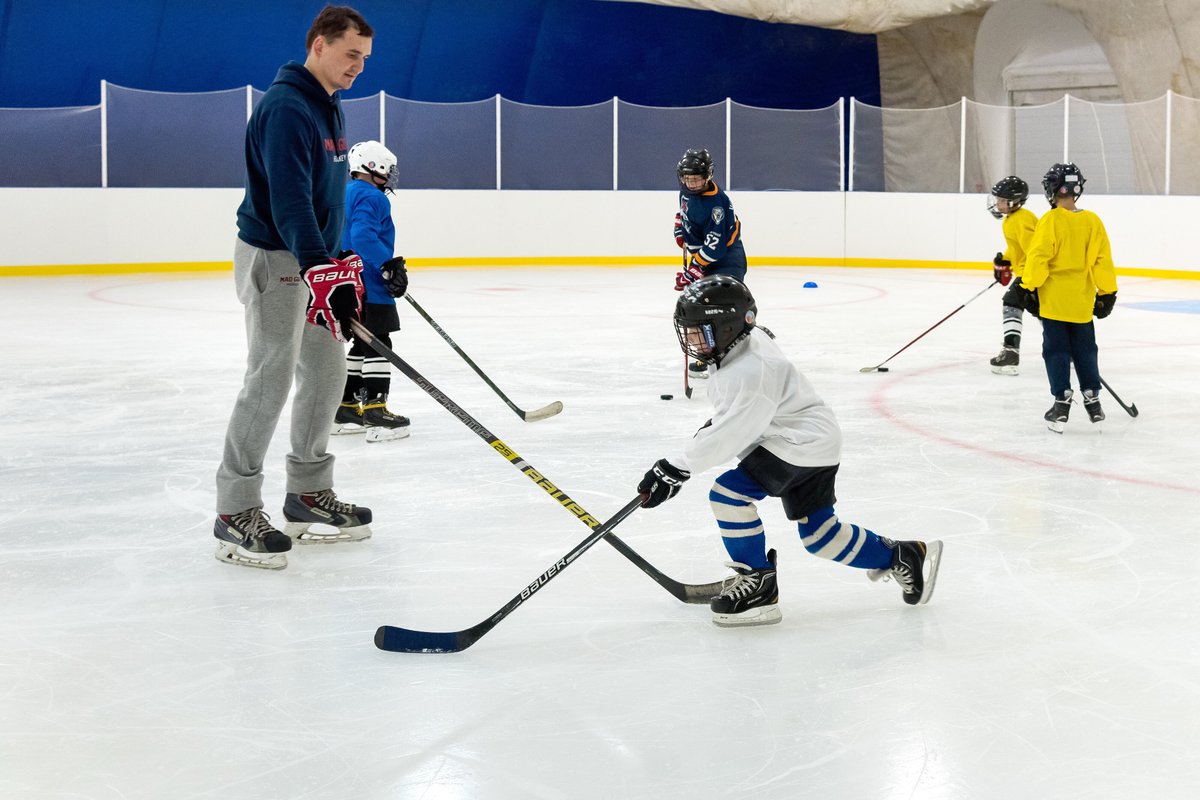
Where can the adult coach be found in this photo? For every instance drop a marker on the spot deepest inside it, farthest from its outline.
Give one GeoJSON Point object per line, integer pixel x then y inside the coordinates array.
{"type": "Point", "coordinates": [299, 300]}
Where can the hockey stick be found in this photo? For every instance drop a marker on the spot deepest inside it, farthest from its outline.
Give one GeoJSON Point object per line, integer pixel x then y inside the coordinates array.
{"type": "Point", "coordinates": [1130, 409]}
{"type": "Point", "coordinates": [529, 416]}
{"type": "Point", "coordinates": [406, 640]}
{"type": "Point", "coordinates": [879, 367]}
{"type": "Point", "coordinates": [687, 592]}
{"type": "Point", "coordinates": [687, 387]}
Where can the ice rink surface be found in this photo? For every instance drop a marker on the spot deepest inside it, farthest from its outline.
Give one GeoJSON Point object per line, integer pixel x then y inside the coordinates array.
{"type": "Point", "coordinates": [1059, 658]}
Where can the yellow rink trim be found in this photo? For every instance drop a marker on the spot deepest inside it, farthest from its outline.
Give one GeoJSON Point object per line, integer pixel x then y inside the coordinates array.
{"type": "Point", "coordinates": [493, 262]}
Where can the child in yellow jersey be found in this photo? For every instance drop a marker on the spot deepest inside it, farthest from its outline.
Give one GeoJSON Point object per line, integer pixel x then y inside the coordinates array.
{"type": "Point", "coordinates": [1070, 267]}
{"type": "Point", "coordinates": [1007, 202]}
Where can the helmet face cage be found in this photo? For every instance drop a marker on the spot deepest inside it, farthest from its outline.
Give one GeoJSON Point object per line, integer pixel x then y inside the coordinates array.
{"type": "Point", "coordinates": [712, 315]}
{"type": "Point", "coordinates": [373, 158]}
{"type": "Point", "coordinates": [1060, 177]}
{"type": "Point", "coordinates": [695, 162]}
{"type": "Point", "coordinates": [1012, 189]}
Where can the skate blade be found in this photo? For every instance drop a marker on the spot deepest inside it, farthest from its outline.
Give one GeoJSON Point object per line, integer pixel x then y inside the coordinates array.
{"type": "Point", "coordinates": [299, 533]}
{"type": "Point", "coordinates": [933, 559]}
{"type": "Point", "coordinates": [1056, 426]}
{"type": "Point", "coordinates": [229, 553]}
{"type": "Point", "coordinates": [386, 434]}
{"type": "Point", "coordinates": [764, 615]}
{"type": "Point", "coordinates": [348, 428]}
{"type": "Point", "coordinates": [1006, 370]}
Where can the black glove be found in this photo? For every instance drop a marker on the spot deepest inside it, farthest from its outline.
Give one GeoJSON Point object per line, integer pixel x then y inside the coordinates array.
{"type": "Point", "coordinates": [1104, 305]}
{"type": "Point", "coordinates": [1029, 300]}
{"type": "Point", "coordinates": [395, 276]}
{"type": "Point", "coordinates": [1002, 269]}
{"type": "Point", "coordinates": [661, 482]}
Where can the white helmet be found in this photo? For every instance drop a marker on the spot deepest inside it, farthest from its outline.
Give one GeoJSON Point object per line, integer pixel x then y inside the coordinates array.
{"type": "Point", "coordinates": [373, 158]}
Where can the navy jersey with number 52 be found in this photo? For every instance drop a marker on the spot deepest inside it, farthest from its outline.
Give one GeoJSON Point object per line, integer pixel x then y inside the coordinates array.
{"type": "Point", "coordinates": [712, 233]}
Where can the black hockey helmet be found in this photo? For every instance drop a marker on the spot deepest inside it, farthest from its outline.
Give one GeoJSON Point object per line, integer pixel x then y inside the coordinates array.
{"type": "Point", "coordinates": [1062, 179]}
{"type": "Point", "coordinates": [1012, 189]}
{"type": "Point", "coordinates": [712, 315]}
{"type": "Point", "coordinates": [695, 162]}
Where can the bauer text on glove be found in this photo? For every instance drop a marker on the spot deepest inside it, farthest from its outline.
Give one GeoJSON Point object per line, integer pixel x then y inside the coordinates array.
{"type": "Point", "coordinates": [335, 293]}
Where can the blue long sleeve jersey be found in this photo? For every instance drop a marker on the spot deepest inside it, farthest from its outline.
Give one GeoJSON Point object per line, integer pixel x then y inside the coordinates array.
{"type": "Point", "coordinates": [295, 169]}
{"type": "Point", "coordinates": [712, 233]}
{"type": "Point", "coordinates": [371, 233]}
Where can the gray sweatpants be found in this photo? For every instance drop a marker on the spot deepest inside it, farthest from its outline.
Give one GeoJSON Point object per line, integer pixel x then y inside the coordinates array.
{"type": "Point", "coordinates": [282, 346]}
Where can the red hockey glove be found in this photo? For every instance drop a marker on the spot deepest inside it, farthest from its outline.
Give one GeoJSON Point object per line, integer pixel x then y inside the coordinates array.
{"type": "Point", "coordinates": [335, 293]}
{"type": "Point", "coordinates": [679, 231]}
{"type": "Point", "coordinates": [1002, 269]}
{"type": "Point", "coordinates": [691, 274]}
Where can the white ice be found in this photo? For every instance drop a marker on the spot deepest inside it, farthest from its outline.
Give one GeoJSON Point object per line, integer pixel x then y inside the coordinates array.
{"type": "Point", "coordinates": [1059, 658]}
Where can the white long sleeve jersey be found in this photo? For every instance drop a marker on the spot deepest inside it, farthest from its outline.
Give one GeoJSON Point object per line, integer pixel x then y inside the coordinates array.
{"type": "Point", "coordinates": [760, 398]}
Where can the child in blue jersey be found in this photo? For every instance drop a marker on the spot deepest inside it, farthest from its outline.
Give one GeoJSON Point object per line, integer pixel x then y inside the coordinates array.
{"type": "Point", "coordinates": [371, 234]}
{"type": "Point", "coordinates": [706, 229]}
{"type": "Point", "coordinates": [787, 444]}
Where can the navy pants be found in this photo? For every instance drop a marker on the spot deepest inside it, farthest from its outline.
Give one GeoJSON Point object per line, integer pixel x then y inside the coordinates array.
{"type": "Point", "coordinates": [1064, 343]}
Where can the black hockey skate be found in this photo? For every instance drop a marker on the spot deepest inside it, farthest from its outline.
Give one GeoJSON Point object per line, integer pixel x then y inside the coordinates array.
{"type": "Point", "coordinates": [349, 419]}
{"type": "Point", "coordinates": [382, 425]}
{"type": "Point", "coordinates": [1006, 362]}
{"type": "Point", "coordinates": [751, 597]}
{"type": "Point", "coordinates": [1091, 404]}
{"type": "Point", "coordinates": [914, 567]}
{"type": "Point", "coordinates": [302, 511]}
{"type": "Point", "coordinates": [1056, 416]}
{"type": "Point", "coordinates": [698, 370]}
{"type": "Point", "coordinates": [249, 539]}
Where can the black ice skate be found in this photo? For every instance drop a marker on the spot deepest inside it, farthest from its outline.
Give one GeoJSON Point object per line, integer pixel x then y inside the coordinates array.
{"type": "Point", "coordinates": [1056, 417]}
{"type": "Point", "coordinates": [914, 567]}
{"type": "Point", "coordinates": [1091, 404]}
{"type": "Point", "coordinates": [1006, 362]}
{"type": "Point", "coordinates": [698, 370]}
{"type": "Point", "coordinates": [751, 597]}
{"type": "Point", "coordinates": [249, 539]}
{"type": "Point", "coordinates": [382, 425]}
{"type": "Point", "coordinates": [349, 419]}
{"type": "Point", "coordinates": [302, 511]}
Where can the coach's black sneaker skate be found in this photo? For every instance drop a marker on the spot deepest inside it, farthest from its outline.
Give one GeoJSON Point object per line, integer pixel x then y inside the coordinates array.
{"type": "Point", "coordinates": [1056, 417]}
{"type": "Point", "coordinates": [302, 511]}
{"type": "Point", "coordinates": [1091, 404]}
{"type": "Point", "coordinates": [349, 419]}
{"type": "Point", "coordinates": [383, 425]}
{"type": "Point", "coordinates": [1006, 362]}
{"type": "Point", "coordinates": [698, 370]}
{"type": "Point", "coordinates": [914, 567]}
{"type": "Point", "coordinates": [249, 539]}
{"type": "Point", "coordinates": [751, 597]}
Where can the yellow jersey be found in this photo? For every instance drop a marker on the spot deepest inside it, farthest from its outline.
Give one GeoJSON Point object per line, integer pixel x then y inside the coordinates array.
{"type": "Point", "coordinates": [1018, 231]}
{"type": "Point", "coordinates": [1069, 261]}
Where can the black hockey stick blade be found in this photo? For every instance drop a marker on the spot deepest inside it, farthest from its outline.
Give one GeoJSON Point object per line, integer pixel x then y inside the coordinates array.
{"type": "Point", "coordinates": [686, 592]}
{"type": "Point", "coordinates": [1131, 409]}
{"type": "Point", "coordinates": [407, 640]}
{"type": "Point", "coordinates": [529, 416]}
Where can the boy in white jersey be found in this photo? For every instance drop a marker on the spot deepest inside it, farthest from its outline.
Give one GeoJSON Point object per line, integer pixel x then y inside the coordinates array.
{"type": "Point", "coordinates": [788, 445]}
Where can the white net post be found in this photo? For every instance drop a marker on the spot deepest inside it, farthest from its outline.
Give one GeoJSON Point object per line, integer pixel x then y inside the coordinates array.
{"type": "Point", "coordinates": [104, 134]}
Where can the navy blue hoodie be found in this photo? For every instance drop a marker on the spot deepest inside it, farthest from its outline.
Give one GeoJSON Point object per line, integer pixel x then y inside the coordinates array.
{"type": "Point", "coordinates": [295, 169]}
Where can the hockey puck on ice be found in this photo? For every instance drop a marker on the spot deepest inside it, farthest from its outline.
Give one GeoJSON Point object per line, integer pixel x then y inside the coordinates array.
{"type": "Point", "coordinates": [883, 369]}
{"type": "Point", "coordinates": [667, 396]}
